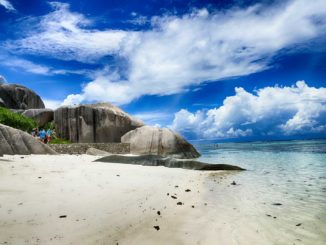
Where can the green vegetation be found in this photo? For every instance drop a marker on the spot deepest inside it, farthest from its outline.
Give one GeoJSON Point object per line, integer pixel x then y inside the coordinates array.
{"type": "Point", "coordinates": [59, 141]}
{"type": "Point", "coordinates": [49, 125]}
{"type": "Point", "coordinates": [16, 120]}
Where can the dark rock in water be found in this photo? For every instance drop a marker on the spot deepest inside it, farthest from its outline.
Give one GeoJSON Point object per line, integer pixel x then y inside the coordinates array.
{"type": "Point", "coordinates": [41, 116]}
{"type": "Point", "coordinates": [94, 123]}
{"type": "Point", "coordinates": [152, 160]}
{"type": "Point", "coordinates": [16, 142]}
{"type": "Point", "coordinates": [14, 96]}
{"type": "Point", "coordinates": [148, 140]}
{"type": "Point", "coordinates": [298, 224]}
{"type": "Point", "coordinates": [156, 227]}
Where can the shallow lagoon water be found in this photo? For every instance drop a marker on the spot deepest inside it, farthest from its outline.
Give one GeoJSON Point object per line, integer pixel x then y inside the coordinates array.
{"type": "Point", "coordinates": [281, 198]}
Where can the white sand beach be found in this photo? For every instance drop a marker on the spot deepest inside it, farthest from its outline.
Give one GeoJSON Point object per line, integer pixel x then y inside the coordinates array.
{"type": "Point", "coordinates": [69, 199]}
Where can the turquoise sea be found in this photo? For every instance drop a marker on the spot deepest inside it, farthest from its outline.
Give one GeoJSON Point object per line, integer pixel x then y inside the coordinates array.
{"type": "Point", "coordinates": [283, 192]}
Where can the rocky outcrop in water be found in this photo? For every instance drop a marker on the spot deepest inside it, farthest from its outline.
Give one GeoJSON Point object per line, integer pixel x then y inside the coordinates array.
{"type": "Point", "coordinates": [148, 140]}
{"type": "Point", "coordinates": [151, 160]}
{"type": "Point", "coordinates": [15, 96]}
{"type": "Point", "coordinates": [17, 142]}
{"type": "Point", "coordinates": [41, 116]}
{"type": "Point", "coordinates": [94, 123]}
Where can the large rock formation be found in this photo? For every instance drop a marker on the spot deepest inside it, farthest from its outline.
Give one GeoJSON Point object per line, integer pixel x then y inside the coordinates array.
{"type": "Point", "coordinates": [17, 142]}
{"type": "Point", "coordinates": [97, 123]}
{"type": "Point", "coordinates": [15, 96]}
{"type": "Point", "coordinates": [150, 160]}
{"type": "Point", "coordinates": [149, 140]}
{"type": "Point", "coordinates": [41, 116]}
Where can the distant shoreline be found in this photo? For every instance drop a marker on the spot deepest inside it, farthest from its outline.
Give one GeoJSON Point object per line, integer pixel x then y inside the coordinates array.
{"type": "Point", "coordinates": [203, 141]}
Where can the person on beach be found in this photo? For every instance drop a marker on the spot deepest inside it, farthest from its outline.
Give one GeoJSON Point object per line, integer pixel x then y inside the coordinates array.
{"type": "Point", "coordinates": [33, 133]}
{"type": "Point", "coordinates": [42, 135]}
{"type": "Point", "coordinates": [48, 135]}
{"type": "Point", "coordinates": [37, 133]}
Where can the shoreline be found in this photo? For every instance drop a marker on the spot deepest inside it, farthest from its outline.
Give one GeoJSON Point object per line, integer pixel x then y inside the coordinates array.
{"type": "Point", "coordinates": [69, 199]}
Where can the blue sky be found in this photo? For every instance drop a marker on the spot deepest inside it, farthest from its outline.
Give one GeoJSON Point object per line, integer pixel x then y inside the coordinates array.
{"type": "Point", "coordinates": [221, 70]}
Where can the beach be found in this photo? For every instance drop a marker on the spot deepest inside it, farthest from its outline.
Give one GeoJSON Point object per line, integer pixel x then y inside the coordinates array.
{"type": "Point", "coordinates": [69, 199]}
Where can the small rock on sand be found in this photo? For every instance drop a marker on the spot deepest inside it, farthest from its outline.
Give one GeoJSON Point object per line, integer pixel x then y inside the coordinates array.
{"type": "Point", "coordinates": [179, 203]}
{"type": "Point", "coordinates": [62, 216]}
{"type": "Point", "coordinates": [156, 227]}
{"type": "Point", "coordinates": [187, 190]}
{"type": "Point", "coordinates": [277, 204]}
{"type": "Point", "coordinates": [174, 197]}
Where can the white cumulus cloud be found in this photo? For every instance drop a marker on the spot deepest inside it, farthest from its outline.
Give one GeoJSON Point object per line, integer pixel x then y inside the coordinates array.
{"type": "Point", "coordinates": [295, 110]}
{"type": "Point", "coordinates": [52, 104]}
{"type": "Point", "coordinates": [2, 79]}
{"type": "Point", "coordinates": [7, 5]}
{"type": "Point", "coordinates": [68, 35]}
{"type": "Point", "coordinates": [177, 51]}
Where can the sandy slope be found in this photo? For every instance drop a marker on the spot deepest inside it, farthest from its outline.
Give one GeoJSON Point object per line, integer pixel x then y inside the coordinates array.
{"type": "Point", "coordinates": [104, 203]}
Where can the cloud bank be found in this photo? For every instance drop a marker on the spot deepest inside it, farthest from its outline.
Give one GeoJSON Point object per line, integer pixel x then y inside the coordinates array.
{"type": "Point", "coordinates": [270, 111]}
{"type": "Point", "coordinates": [177, 52]}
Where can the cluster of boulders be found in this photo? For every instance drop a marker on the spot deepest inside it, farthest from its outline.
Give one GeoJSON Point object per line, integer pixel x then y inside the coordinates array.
{"type": "Point", "coordinates": [24, 101]}
{"type": "Point", "coordinates": [93, 123]}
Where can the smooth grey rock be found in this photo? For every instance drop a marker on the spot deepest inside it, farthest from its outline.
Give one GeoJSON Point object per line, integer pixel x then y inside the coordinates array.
{"type": "Point", "coordinates": [41, 116]}
{"type": "Point", "coordinates": [18, 111]}
{"type": "Point", "coordinates": [15, 96]}
{"type": "Point", "coordinates": [151, 160]}
{"type": "Point", "coordinates": [94, 123]}
{"type": "Point", "coordinates": [148, 140]}
{"type": "Point", "coordinates": [96, 152]}
{"type": "Point", "coordinates": [16, 142]}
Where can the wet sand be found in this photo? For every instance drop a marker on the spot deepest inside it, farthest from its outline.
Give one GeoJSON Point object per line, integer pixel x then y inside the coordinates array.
{"type": "Point", "coordinates": [72, 200]}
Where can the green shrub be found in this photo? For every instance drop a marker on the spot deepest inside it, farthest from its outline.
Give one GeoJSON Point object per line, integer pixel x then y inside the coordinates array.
{"type": "Point", "coordinates": [15, 120]}
{"type": "Point", "coordinates": [49, 125]}
{"type": "Point", "coordinates": [59, 141]}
